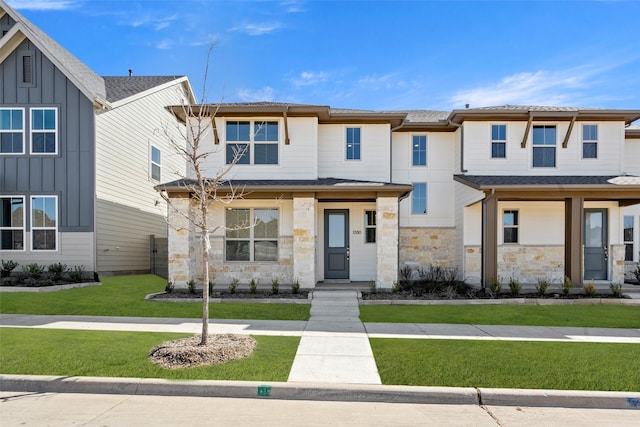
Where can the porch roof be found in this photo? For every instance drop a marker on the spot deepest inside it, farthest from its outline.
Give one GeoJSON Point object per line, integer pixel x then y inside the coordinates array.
{"type": "Point", "coordinates": [624, 189]}
{"type": "Point", "coordinates": [326, 188]}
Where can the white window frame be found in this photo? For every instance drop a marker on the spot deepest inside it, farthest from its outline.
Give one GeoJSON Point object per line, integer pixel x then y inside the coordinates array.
{"type": "Point", "coordinates": [590, 141]}
{"type": "Point", "coordinates": [498, 141]}
{"type": "Point", "coordinates": [542, 146]}
{"type": "Point", "coordinates": [34, 228]}
{"type": "Point", "coordinates": [252, 142]}
{"type": "Point", "coordinates": [426, 198]}
{"type": "Point", "coordinates": [152, 163]}
{"type": "Point", "coordinates": [631, 242]}
{"type": "Point", "coordinates": [33, 131]}
{"type": "Point", "coordinates": [368, 226]}
{"type": "Point", "coordinates": [251, 238]}
{"type": "Point", "coordinates": [515, 226]}
{"type": "Point", "coordinates": [23, 228]}
{"type": "Point", "coordinates": [21, 131]}
{"type": "Point", "coordinates": [346, 144]}
{"type": "Point", "coordinates": [426, 150]}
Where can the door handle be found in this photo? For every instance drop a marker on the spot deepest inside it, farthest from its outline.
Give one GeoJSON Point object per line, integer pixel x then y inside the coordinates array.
{"type": "Point", "coordinates": [348, 253]}
{"type": "Point", "coordinates": [606, 253]}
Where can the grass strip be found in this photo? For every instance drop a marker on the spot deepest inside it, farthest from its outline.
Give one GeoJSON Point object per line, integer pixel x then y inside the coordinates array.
{"type": "Point", "coordinates": [125, 354]}
{"type": "Point", "coordinates": [124, 296]}
{"type": "Point", "coordinates": [601, 316]}
{"type": "Point", "coordinates": [532, 365]}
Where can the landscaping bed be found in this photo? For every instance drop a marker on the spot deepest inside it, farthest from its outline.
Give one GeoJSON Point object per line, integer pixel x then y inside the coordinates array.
{"type": "Point", "coordinates": [181, 294]}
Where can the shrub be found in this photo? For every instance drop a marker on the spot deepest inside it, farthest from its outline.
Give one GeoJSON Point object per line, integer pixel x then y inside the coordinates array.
{"type": "Point", "coordinates": [373, 287]}
{"type": "Point", "coordinates": [616, 289]}
{"type": "Point", "coordinates": [57, 271]}
{"type": "Point", "coordinates": [406, 275]}
{"type": "Point", "coordinates": [191, 284]}
{"type": "Point", "coordinates": [514, 286]}
{"type": "Point", "coordinates": [77, 273]}
{"type": "Point", "coordinates": [495, 285]}
{"type": "Point", "coordinates": [169, 287]}
{"type": "Point", "coordinates": [34, 271]}
{"type": "Point", "coordinates": [396, 287]}
{"type": "Point", "coordinates": [542, 286]}
{"type": "Point", "coordinates": [567, 284]}
{"type": "Point", "coordinates": [233, 286]}
{"type": "Point", "coordinates": [210, 287]}
{"type": "Point", "coordinates": [590, 289]}
{"type": "Point", "coordinates": [275, 286]}
{"type": "Point", "coordinates": [253, 286]}
{"type": "Point", "coordinates": [295, 286]}
{"type": "Point", "coordinates": [7, 268]}
{"type": "Point", "coordinates": [636, 273]}
{"type": "Point", "coordinates": [450, 292]}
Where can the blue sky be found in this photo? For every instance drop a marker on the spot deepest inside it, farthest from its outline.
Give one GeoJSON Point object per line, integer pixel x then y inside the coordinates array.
{"type": "Point", "coordinates": [364, 54]}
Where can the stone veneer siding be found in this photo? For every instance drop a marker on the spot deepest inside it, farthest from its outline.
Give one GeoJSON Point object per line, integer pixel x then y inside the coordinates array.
{"type": "Point", "coordinates": [421, 246]}
{"type": "Point", "coordinates": [618, 266]}
{"type": "Point", "coordinates": [304, 241]}
{"type": "Point", "coordinates": [179, 247]}
{"type": "Point", "coordinates": [387, 241]}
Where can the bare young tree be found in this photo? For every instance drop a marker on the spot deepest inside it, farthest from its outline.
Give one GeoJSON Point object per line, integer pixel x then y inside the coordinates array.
{"type": "Point", "coordinates": [204, 191]}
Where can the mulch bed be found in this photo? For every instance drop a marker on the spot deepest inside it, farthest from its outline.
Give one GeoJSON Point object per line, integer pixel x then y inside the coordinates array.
{"type": "Point", "coordinates": [188, 353]}
{"type": "Point", "coordinates": [260, 294]}
{"type": "Point", "coordinates": [443, 296]}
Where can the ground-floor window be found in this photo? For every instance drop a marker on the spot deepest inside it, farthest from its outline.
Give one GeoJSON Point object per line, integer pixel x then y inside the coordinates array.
{"type": "Point", "coordinates": [510, 226]}
{"type": "Point", "coordinates": [252, 234]}
{"type": "Point", "coordinates": [628, 238]}
{"type": "Point", "coordinates": [12, 223]}
{"type": "Point", "coordinates": [370, 226]}
{"type": "Point", "coordinates": [44, 223]}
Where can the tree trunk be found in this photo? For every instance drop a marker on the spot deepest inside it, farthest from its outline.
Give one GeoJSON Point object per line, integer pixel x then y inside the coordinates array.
{"type": "Point", "coordinates": [206, 246]}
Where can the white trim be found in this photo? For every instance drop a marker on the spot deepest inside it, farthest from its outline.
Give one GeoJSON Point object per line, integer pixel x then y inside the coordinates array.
{"type": "Point", "coordinates": [23, 131]}
{"type": "Point", "coordinates": [24, 224]}
{"type": "Point", "coordinates": [33, 228]}
{"type": "Point", "coordinates": [251, 239]}
{"type": "Point", "coordinates": [152, 163]}
{"type": "Point", "coordinates": [55, 131]}
{"type": "Point", "coordinates": [499, 141]}
{"type": "Point", "coordinates": [426, 150]}
{"type": "Point", "coordinates": [426, 198]}
{"type": "Point", "coordinates": [590, 141]}
{"type": "Point", "coordinates": [360, 156]}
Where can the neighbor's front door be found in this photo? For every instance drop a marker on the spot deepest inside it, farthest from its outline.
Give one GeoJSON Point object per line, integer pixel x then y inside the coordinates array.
{"type": "Point", "coordinates": [336, 244]}
{"type": "Point", "coordinates": [596, 244]}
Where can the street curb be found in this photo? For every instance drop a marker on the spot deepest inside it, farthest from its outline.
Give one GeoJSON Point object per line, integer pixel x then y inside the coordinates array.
{"type": "Point", "coordinates": [322, 392]}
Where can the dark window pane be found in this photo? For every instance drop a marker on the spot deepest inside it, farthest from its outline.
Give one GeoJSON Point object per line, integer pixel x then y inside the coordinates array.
{"type": "Point", "coordinates": [44, 240]}
{"type": "Point", "coordinates": [510, 235]}
{"type": "Point", "coordinates": [155, 172]}
{"type": "Point", "coordinates": [419, 148]}
{"type": "Point", "coordinates": [12, 240]}
{"type": "Point", "coordinates": [266, 154]}
{"type": "Point", "coordinates": [370, 235]}
{"type": "Point", "coordinates": [238, 131]}
{"type": "Point", "coordinates": [498, 150]}
{"type": "Point", "coordinates": [353, 143]}
{"type": "Point", "coordinates": [265, 251]}
{"type": "Point", "coordinates": [544, 135]}
{"type": "Point", "coordinates": [370, 218]}
{"type": "Point", "coordinates": [11, 143]}
{"type": "Point", "coordinates": [628, 252]}
{"type": "Point", "coordinates": [544, 157]}
{"type": "Point", "coordinates": [241, 150]}
{"type": "Point", "coordinates": [37, 119]}
{"type": "Point", "coordinates": [590, 132]}
{"type": "Point", "coordinates": [589, 150]}
{"type": "Point", "coordinates": [237, 250]}
{"type": "Point", "coordinates": [265, 131]}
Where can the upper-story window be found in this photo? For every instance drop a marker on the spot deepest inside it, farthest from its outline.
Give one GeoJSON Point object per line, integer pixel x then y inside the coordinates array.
{"type": "Point", "coordinates": [12, 223]}
{"type": "Point", "coordinates": [353, 143]}
{"type": "Point", "coordinates": [44, 131]}
{"type": "Point", "coordinates": [498, 141]}
{"type": "Point", "coordinates": [155, 163]}
{"type": "Point", "coordinates": [589, 141]}
{"type": "Point", "coordinates": [419, 150]}
{"type": "Point", "coordinates": [544, 146]}
{"type": "Point", "coordinates": [11, 130]}
{"type": "Point", "coordinates": [44, 223]}
{"type": "Point", "coordinates": [264, 137]}
{"type": "Point", "coordinates": [419, 198]}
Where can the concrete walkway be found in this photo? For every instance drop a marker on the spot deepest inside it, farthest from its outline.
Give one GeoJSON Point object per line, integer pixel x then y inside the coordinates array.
{"type": "Point", "coordinates": [334, 347]}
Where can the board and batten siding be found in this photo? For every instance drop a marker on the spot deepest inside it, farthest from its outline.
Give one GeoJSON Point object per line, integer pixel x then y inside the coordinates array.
{"type": "Point", "coordinates": [374, 163]}
{"type": "Point", "coordinates": [519, 161]}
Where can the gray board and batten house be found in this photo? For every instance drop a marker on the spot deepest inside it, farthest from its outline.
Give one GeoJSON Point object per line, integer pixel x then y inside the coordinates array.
{"type": "Point", "coordinates": [80, 155]}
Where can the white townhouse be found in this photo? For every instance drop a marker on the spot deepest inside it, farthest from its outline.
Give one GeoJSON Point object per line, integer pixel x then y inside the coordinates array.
{"type": "Point", "coordinates": [80, 155]}
{"type": "Point", "coordinates": [354, 195]}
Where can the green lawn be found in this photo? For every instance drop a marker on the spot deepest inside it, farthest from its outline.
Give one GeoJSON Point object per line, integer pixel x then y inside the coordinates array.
{"type": "Point", "coordinates": [534, 365]}
{"type": "Point", "coordinates": [604, 316]}
{"type": "Point", "coordinates": [124, 296]}
{"type": "Point", "coordinates": [125, 354]}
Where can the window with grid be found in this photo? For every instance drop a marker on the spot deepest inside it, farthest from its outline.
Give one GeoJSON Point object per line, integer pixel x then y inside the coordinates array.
{"type": "Point", "coordinates": [353, 143]}
{"type": "Point", "coordinates": [369, 226]}
{"type": "Point", "coordinates": [419, 198]}
{"type": "Point", "coordinates": [44, 223]}
{"type": "Point", "coordinates": [628, 238]}
{"type": "Point", "coordinates": [252, 142]}
{"type": "Point", "coordinates": [419, 150]}
{"type": "Point", "coordinates": [589, 141]}
{"type": "Point", "coordinates": [252, 234]}
{"type": "Point", "coordinates": [11, 131]}
{"type": "Point", "coordinates": [498, 141]}
{"type": "Point", "coordinates": [510, 224]}
{"type": "Point", "coordinates": [12, 223]}
{"type": "Point", "coordinates": [544, 146]}
{"type": "Point", "coordinates": [44, 130]}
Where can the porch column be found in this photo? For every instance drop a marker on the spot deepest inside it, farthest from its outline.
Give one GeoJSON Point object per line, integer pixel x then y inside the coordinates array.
{"type": "Point", "coordinates": [573, 238]}
{"type": "Point", "coordinates": [489, 240]}
{"type": "Point", "coordinates": [386, 241]}
{"type": "Point", "coordinates": [304, 239]}
{"type": "Point", "coordinates": [179, 243]}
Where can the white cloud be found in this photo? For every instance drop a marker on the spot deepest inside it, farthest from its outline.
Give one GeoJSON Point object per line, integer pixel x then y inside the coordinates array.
{"type": "Point", "coordinates": [293, 6]}
{"type": "Point", "coordinates": [151, 21]}
{"type": "Point", "coordinates": [257, 29]}
{"type": "Point", "coordinates": [165, 44]}
{"type": "Point", "coordinates": [310, 78]}
{"type": "Point", "coordinates": [43, 4]}
{"type": "Point", "coordinates": [385, 81]}
{"type": "Point", "coordinates": [264, 94]}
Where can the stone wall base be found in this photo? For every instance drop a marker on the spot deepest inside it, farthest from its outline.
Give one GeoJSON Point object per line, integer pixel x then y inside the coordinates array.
{"type": "Point", "coordinates": [427, 246]}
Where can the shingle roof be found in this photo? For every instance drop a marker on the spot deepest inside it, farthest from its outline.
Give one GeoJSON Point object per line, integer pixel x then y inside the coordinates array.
{"type": "Point", "coordinates": [534, 180]}
{"type": "Point", "coordinates": [121, 87]}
